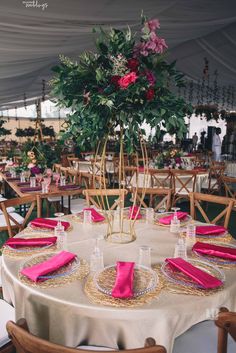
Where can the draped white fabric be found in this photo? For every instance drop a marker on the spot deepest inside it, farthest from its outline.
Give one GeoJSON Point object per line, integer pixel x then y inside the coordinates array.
{"type": "Point", "coordinates": [31, 38]}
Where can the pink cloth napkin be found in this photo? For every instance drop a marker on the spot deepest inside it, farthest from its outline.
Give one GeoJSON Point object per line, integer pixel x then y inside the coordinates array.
{"type": "Point", "coordinates": [68, 187]}
{"type": "Point", "coordinates": [96, 216]}
{"type": "Point", "coordinates": [48, 223]}
{"type": "Point", "coordinates": [22, 183]}
{"type": "Point", "coordinates": [167, 220]}
{"type": "Point", "coordinates": [215, 250]}
{"type": "Point", "coordinates": [123, 287]}
{"type": "Point", "coordinates": [133, 211]}
{"type": "Point", "coordinates": [53, 264]}
{"type": "Point", "coordinates": [208, 230]}
{"type": "Point", "coordinates": [201, 277]}
{"type": "Point", "coordinates": [29, 189]}
{"type": "Point", "coordinates": [141, 169]}
{"type": "Point", "coordinates": [18, 242]}
{"type": "Point", "coordinates": [13, 179]}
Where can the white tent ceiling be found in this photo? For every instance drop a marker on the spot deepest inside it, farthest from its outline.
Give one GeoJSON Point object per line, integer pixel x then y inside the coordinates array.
{"type": "Point", "coordinates": [31, 39]}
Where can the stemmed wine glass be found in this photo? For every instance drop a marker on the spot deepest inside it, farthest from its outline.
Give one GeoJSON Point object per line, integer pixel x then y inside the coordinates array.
{"type": "Point", "coordinates": [39, 178]}
{"type": "Point", "coordinates": [96, 258]}
{"type": "Point", "coordinates": [175, 222]}
{"type": "Point", "coordinates": [59, 215]}
{"type": "Point", "coordinates": [59, 231]}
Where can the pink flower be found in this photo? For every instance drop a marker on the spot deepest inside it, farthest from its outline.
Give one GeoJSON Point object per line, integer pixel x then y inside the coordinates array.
{"type": "Point", "coordinates": [31, 165]}
{"type": "Point", "coordinates": [150, 77]}
{"type": "Point", "coordinates": [126, 80]}
{"type": "Point", "coordinates": [153, 24]}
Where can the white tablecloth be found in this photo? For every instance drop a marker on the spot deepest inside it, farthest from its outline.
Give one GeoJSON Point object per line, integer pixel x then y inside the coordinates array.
{"type": "Point", "coordinates": [145, 180]}
{"type": "Point", "coordinates": [66, 316]}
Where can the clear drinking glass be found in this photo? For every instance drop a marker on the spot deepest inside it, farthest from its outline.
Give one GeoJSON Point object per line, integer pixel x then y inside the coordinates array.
{"type": "Point", "coordinates": [32, 182]}
{"type": "Point", "coordinates": [181, 249]}
{"type": "Point", "coordinates": [44, 187]}
{"type": "Point", "coordinates": [175, 222]}
{"type": "Point", "coordinates": [191, 232]}
{"type": "Point", "coordinates": [87, 217]}
{"type": "Point", "coordinates": [39, 178]}
{"type": "Point", "coordinates": [149, 215]}
{"type": "Point", "coordinates": [62, 180]}
{"type": "Point", "coordinates": [144, 256]}
{"type": "Point", "coordinates": [96, 259]}
{"type": "Point", "coordinates": [22, 177]}
{"type": "Point", "coordinates": [56, 178]}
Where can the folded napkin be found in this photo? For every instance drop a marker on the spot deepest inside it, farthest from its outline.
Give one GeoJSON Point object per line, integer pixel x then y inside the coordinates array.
{"type": "Point", "coordinates": [123, 287]}
{"type": "Point", "coordinates": [53, 264]}
{"type": "Point", "coordinates": [29, 189]}
{"type": "Point", "coordinates": [22, 183]}
{"type": "Point", "coordinates": [141, 169]}
{"type": "Point", "coordinates": [201, 277]}
{"type": "Point", "coordinates": [48, 223]}
{"type": "Point", "coordinates": [215, 250]}
{"type": "Point", "coordinates": [68, 187]}
{"type": "Point", "coordinates": [167, 219]}
{"type": "Point", "coordinates": [210, 229]}
{"type": "Point", "coordinates": [96, 216]}
{"type": "Point", "coordinates": [134, 212]}
{"type": "Point", "coordinates": [13, 178]}
{"type": "Point", "coordinates": [18, 242]}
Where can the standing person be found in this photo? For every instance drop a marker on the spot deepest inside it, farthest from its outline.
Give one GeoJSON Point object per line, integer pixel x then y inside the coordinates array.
{"type": "Point", "coordinates": [195, 140]}
{"type": "Point", "coordinates": [216, 145]}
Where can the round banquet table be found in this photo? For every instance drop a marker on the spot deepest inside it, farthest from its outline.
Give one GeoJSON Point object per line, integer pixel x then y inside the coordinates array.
{"type": "Point", "coordinates": [66, 316]}
{"type": "Point", "coordinates": [146, 180]}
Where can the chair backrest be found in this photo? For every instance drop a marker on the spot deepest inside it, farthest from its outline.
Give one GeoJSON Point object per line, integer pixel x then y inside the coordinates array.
{"type": "Point", "coordinates": [56, 167]}
{"type": "Point", "coordinates": [100, 198]}
{"type": "Point", "coordinates": [226, 323]}
{"type": "Point", "coordinates": [224, 215]}
{"type": "Point", "coordinates": [71, 160]}
{"type": "Point", "coordinates": [215, 174]}
{"type": "Point", "coordinates": [161, 178]}
{"type": "Point", "coordinates": [25, 342]}
{"type": "Point", "coordinates": [12, 222]}
{"type": "Point", "coordinates": [158, 197]}
{"type": "Point", "coordinates": [229, 185]}
{"type": "Point", "coordinates": [184, 181]}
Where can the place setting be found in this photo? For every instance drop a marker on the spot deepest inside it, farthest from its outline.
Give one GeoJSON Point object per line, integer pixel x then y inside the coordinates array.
{"type": "Point", "coordinates": [53, 269]}
{"type": "Point", "coordinates": [174, 219]}
{"type": "Point", "coordinates": [123, 284]}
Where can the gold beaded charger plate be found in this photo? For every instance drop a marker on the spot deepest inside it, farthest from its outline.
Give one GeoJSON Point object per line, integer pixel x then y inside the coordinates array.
{"type": "Point", "coordinates": [45, 229]}
{"type": "Point", "coordinates": [77, 269]}
{"type": "Point", "coordinates": [24, 251]}
{"type": "Point", "coordinates": [105, 280]}
{"type": "Point", "coordinates": [219, 261]}
{"type": "Point", "coordinates": [178, 282]}
{"type": "Point", "coordinates": [158, 216]}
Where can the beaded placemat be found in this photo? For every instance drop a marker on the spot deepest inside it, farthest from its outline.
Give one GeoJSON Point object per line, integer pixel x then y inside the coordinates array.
{"type": "Point", "coordinates": [181, 289]}
{"type": "Point", "coordinates": [103, 299]}
{"type": "Point", "coordinates": [63, 276]}
{"type": "Point", "coordinates": [27, 251]}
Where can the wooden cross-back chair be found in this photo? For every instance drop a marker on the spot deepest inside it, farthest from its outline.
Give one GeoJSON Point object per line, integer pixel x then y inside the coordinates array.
{"type": "Point", "coordinates": [214, 179]}
{"type": "Point", "coordinates": [229, 185]}
{"type": "Point", "coordinates": [12, 222]}
{"type": "Point", "coordinates": [226, 323]}
{"type": "Point", "coordinates": [71, 160]}
{"type": "Point", "coordinates": [100, 197]}
{"type": "Point", "coordinates": [25, 342]}
{"type": "Point", "coordinates": [161, 178]}
{"type": "Point", "coordinates": [56, 167]}
{"type": "Point", "coordinates": [184, 182]}
{"type": "Point", "coordinates": [129, 173]}
{"type": "Point", "coordinates": [196, 200]}
{"type": "Point", "coordinates": [158, 197]}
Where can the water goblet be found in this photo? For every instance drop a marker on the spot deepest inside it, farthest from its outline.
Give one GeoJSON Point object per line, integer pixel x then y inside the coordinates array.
{"type": "Point", "coordinates": [175, 222]}
{"type": "Point", "coordinates": [87, 217]}
{"type": "Point", "coordinates": [44, 187]}
{"type": "Point", "coordinates": [56, 178]}
{"type": "Point", "coordinates": [39, 178]}
{"type": "Point", "coordinates": [181, 249]}
{"type": "Point", "coordinates": [22, 177]}
{"type": "Point", "coordinates": [191, 233]}
{"type": "Point", "coordinates": [48, 172]}
{"type": "Point", "coordinates": [62, 180]}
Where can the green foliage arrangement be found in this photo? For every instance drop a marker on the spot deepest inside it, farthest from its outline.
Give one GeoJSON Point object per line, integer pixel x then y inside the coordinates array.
{"type": "Point", "coordinates": [3, 130]}
{"type": "Point", "coordinates": [124, 84]}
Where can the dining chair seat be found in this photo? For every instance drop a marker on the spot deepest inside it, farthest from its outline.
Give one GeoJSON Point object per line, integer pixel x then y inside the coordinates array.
{"type": "Point", "coordinates": [7, 313]}
{"type": "Point", "coordinates": [201, 337]}
{"type": "Point", "coordinates": [9, 210]}
{"type": "Point", "coordinates": [96, 348]}
{"type": "Point", "coordinates": [19, 219]}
